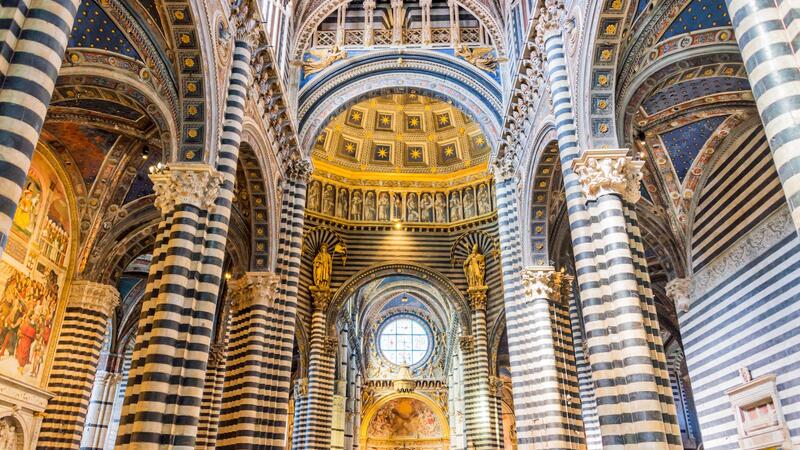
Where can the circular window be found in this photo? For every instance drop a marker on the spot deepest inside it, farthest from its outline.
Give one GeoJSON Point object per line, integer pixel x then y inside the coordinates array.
{"type": "Point", "coordinates": [404, 340]}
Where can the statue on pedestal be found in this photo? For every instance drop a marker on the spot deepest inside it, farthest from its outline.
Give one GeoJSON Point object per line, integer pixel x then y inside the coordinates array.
{"type": "Point", "coordinates": [323, 266]}
{"type": "Point", "coordinates": [475, 268]}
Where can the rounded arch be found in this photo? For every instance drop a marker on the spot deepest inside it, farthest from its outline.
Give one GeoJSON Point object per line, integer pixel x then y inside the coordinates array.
{"type": "Point", "coordinates": [373, 74]}
{"type": "Point", "coordinates": [324, 9]}
{"type": "Point", "coordinates": [373, 409]}
{"type": "Point", "coordinates": [414, 270]}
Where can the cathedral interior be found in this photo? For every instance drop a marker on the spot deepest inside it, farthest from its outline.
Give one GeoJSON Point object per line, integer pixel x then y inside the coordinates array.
{"type": "Point", "coordinates": [400, 224]}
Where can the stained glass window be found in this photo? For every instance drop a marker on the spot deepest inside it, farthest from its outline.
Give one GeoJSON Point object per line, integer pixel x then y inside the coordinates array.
{"type": "Point", "coordinates": [404, 340]}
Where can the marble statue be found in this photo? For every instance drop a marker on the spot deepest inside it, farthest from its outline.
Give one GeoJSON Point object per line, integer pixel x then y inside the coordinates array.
{"type": "Point", "coordinates": [469, 203]}
{"type": "Point", "coordinates": [323, 266]}
{"type": "Point", "coordinates": [355, 206]}
{"type": "Point", "coordinates": [455, 207]}
{"type": "Point", "coordinates": [397, 206]}
{"type": "Point", "coordinates": [475, 268]}
{"type": "Point", "coordinates": [426, 207]}
{"type": "Point", "coordinates": [412, 208]}
{"type": "Point", "coordinates": [314, 196]}
{"type": "Point", "coordinates": [369, 206]}
{"type": "Point", "coordinates": [383, 206]}
{"type": "Point", "coordinates": [341, 203]}
{"type": "Point", "coordinates": [328, 200]}
{"type": "Point", "coordinates": [440, 207]}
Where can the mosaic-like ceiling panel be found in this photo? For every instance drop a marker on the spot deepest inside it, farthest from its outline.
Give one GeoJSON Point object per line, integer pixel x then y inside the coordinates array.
{"type": "Point", "coordinates": [93, 28]}
{"type": "Point", "coordinates": [699, 15]}
{"type": "Point", "coordinates": [400, 134]}
{"type": "Point", "coordinates": [685, 91]}
{"type": "Point", "coordinates": [684, 143]}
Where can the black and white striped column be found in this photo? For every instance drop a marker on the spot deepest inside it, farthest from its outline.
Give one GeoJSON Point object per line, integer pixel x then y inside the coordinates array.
{"type": "Point", "coordinates": [479, 405]}
{"type": "Point", "coordinates": [313, 430]}
{"type": "Point", "coordinates": [248, 395]}
{"type": "Point", "coordinates": [75, 364]}
{"type": "Point", "coordinates": [768, 32]}
{"type": "Point", "coordinates": [211, 404]}
{"type": "Point", "coordinates": [27, 86]}
{"type": "Point", "coordinates": [98, 416]}
{"type": "Point", "coordinates": [165, 383]}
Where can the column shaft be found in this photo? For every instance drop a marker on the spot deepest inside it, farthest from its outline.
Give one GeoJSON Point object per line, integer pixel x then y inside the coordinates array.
{"type": "Point", "coordinates": [12, 18]}
{"type": "Point", "coordinates": [98, 417]}
{"type": "Point", "coordinates": [75, 363]}
{"type": "Point", "coordinates": [25, 95]}
{"type": "Point", "coordinates": [767, 33]}
{"type": "Point", "coordinates": [211, 404]}
{"type": "Point", "coordinates": [480, 422]}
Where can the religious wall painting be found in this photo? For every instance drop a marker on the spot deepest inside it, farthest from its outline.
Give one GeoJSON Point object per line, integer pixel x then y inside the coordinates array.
{"type": "Point", "coordinates": [328, 200]}
{"type": "Point", "coordinates": [412, 207]}
{"type": "Point", "coordinates": [484, 199]}
{"type": "Point", "coordinates": [405, 419]}
{"type": "Point", "coordinates": [93, 144]}
{"type": "Point", "coordinates": [369, 206]}
{"type": "Point", "coordinates": [440, 207]}
{"type": "Point", "coordinates": [469, 203]}
{"type": "Point", "coordinates": [455, 206]}
{"type": "Point", "coordinates": [342, 202]}
{"type": "Point", "coordinates": [32, 271]}
{"type": "Point", "coordinates": [314, 196]}
{"type": "Point", "coordinates": [356, 205]}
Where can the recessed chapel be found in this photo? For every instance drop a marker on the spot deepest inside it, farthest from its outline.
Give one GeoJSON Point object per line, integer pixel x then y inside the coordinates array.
{"type": "Point", "coordinates": [400, 224]}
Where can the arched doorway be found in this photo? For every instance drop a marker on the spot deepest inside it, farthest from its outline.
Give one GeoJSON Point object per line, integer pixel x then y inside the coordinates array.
{"type": "Point", "coordinates": [405, 421]}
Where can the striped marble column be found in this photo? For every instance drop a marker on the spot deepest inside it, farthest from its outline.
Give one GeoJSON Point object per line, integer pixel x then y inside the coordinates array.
{"type": "Point", "coordinates": [75, 363]}
{"type": "Point", "coordinates": [768, 32]}
{"type": "Point", "coordinates": [540, 410]}
{"type": "Point", "coordinates": [640, 399]}
{"type": "Point", "coordinates": [12, 18]}
{"type": "Point", "coordinates": [211, 404]}
{"type": "Point", "coordinates": [630, 408]}
{"type": "Point", "coordinates": [313, 430]}
{"type": "Point", "coordinates": [98, 416]}
{"type": "Point", "coordinates": [165, 383]}
{"type": "Point", "coordinates": [25, 95]}
{"type": "Point", "coordinates": [247, 394]}
{"type": "Point", "coordinates": [299, 395]}
{"type": "Point", "coordinates": [480, 422]}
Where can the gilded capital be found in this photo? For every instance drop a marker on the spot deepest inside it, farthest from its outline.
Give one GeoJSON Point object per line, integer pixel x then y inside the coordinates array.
{"type": "Point", "coordinates": [299, 169]}
{"type": "Point", "coordinates": [551, 16]}
{"type": "Point", "coordinates": [321, 297]}
{"type": "Point", "coordinates": [254, 288]}
{"type": "Point", "coordinates": [186, 183]}
{"type": "Point", "coordinates": [102, 298]}
{"type": "Point", "coordinates": [544, 282]}
{"type": "Point", "coordinates": [679, 291]}
{"type": "Point", "coordinates": [477, 297]}
{"type": "Point", "coordinates": [609, 172]}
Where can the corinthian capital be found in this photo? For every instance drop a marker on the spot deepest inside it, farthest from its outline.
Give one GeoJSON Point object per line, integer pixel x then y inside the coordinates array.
{"type": "Point", "coordinates": [101, 298]}
{"type": "Point", "coordinates": [192, 184]}
{"type": "Point", "coordinates": [255, 288]}
{"type": "Point", "coordinates": [679, 291]}
{"type": "Point", "coordinates": [609, 171]}
{"type": "Point", "coordinates": [244, 25]}
{"type": "Point", "coordinates": [550, 18]}
{"type": "Point", "coordinates": [299, 169]}
{"type": "Point", "coordinates": [540, 282]}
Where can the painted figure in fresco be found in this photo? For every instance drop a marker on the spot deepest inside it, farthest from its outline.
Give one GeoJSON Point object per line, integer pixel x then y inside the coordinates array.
{"type": "Point", "coordinates": [475, 268]}
{"type": "Point", "coordinates": [469, 203]}
{"type": "Point", "coordinates": [455, 207]}
{"type": "Point", "coordinates": [413, 208]}
{"type": "Point", "coordinates": [314, 196]}
{"type": "Point", "coordinates": [426, 207]}
{"type": "Point", "coordinates": [440, 207]}
{"type": "Point", "coordinates": [25, 216]}
{"type": "Point", "coordinates": [341, 204]}
{"type": "Point", "coordinates": [327, 200]}
{"type": "Point", "coordinates": [355, 206]}
{"type": "Point", "coordinates": [323, 266]}
{"type": "Point", "coordinates": [484, 204]}
{"type": "Point", "coordinates": [369, 206]}
{"type": "Point", "coordinates": [397, 207]}
{"type": "Point", "coordinates": [383, 206]}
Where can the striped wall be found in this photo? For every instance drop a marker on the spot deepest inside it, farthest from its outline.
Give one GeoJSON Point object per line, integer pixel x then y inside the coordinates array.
{"type": "Point", "coordinates": [767, 32]}
{"type": "Point", "coordinates": [75, 363]}
{"type": "Point", "coordinates": [745, 304]}
{"type": "Point", "coordinates": [27, 86]}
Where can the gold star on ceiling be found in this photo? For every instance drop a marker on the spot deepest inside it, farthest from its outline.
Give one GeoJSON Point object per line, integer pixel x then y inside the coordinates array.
{"type": "Point", "coordinates": [350, 148]}
{"type": "Point", "coordinates": [383, 153]}
{"type": "Point", "coordinates": [355, 115]}
{"type": "Point", "coordinates": [416, 154]}
{"type": "Point", "coordinates": [443, 120]}
{"type": "Point", "coordinates": [385, 120]}
{"type": "Point", "coordinates": [449, 150]}
{"type": "Point", "coordinates": [413, 122]}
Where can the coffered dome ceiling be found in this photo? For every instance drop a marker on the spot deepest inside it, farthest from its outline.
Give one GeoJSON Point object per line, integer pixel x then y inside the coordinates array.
{"type": "Point", "coordinates": [401, 137]}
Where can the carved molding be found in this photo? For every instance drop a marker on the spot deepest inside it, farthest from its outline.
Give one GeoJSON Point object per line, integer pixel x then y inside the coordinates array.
{"type": "Point", "coordinates": [678, 290]}
{"type": "Point", "coordinates": [186, 183]}
{"type": "Point", "coordinates": [609, 172]}
{"type": "Point", "coordinates": [102, 298]}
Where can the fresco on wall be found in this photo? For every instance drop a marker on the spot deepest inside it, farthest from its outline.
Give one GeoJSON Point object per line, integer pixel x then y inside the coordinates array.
{"type": "Point", "coordinates": [405, 418]}
{"type": "Point", "coordinates": [32, 271]}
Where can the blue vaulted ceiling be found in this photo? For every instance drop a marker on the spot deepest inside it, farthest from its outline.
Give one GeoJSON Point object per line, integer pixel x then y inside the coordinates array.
{"type": "Point", "coordinates": [684, 143]}
{"type": "Point", "coordinates": [692, 89]}
{"type": "Point", "coordinates": [94, 29]}
{"type": "Point", "coordinates": [698, 15]}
